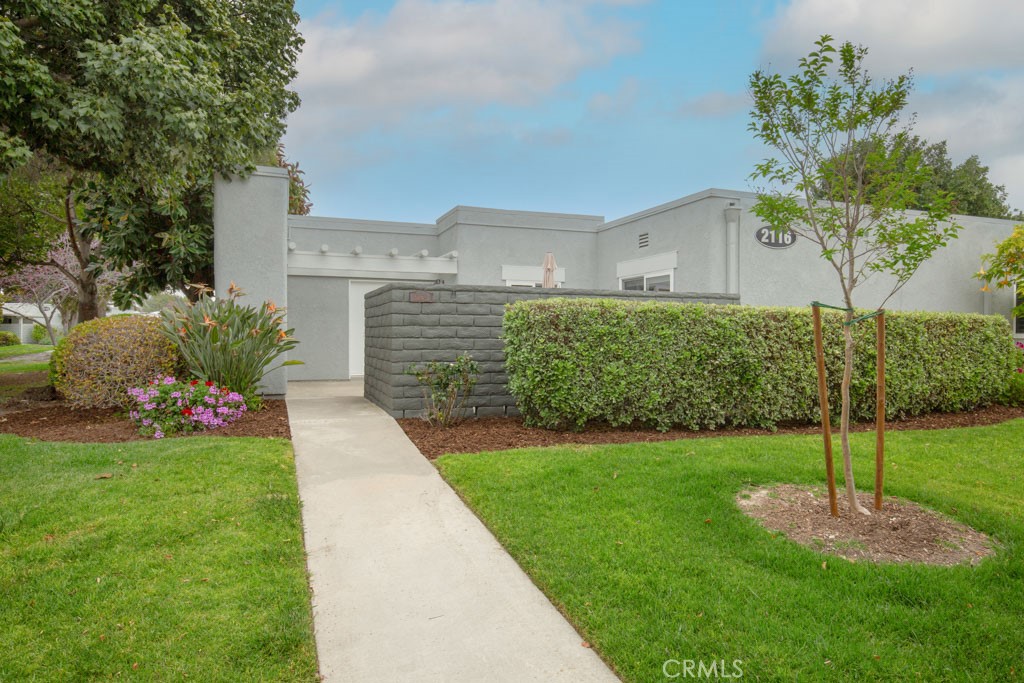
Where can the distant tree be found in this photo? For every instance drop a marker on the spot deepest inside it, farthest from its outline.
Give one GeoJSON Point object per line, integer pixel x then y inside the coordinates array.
{"type": "Point", "coordinates": [158, 301]}
{"type": "Point", "coordinates": [55, 285]}
{"type": "Point", "coordinates": [850, 205]}
{"type": "Point", "coordinates": [43, 287]}
{"type": "Point", "coordinates": [39, 202]}
{"type": "Point", "coordinates": [968, 184]}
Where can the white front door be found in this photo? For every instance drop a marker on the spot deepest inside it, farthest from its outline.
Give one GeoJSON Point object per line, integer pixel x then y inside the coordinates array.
{"type": "Point", "coordinates": [357, 291]}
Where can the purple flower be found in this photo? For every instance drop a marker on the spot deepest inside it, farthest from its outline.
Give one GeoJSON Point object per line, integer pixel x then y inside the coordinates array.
{"type": "Point", "coordinates": [169, 380]}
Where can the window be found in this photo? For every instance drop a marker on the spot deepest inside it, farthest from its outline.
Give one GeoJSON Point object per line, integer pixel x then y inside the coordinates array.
{"type": "Point", "coordinates": [633, 284]}
{"type": "Point", "coordinates": [652, 282]}
{"type": "Point", "coordinates": [8, 320]}
{"type": "Point", "coordinates": [659, 283]}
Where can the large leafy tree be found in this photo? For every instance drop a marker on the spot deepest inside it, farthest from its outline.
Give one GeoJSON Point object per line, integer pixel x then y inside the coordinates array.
{"type": "Point", "coordinates": [144, 101]}
{"type": "Point", "coordinates": [972, 192]}
{"type": "Point", "coordinates": [38, 210]}
{"type": "Point", "coordinates": [30, 214]}
{"type": "Point", "coordinates": [850, 205]}
{"type": "Point", "coordinates": [164, 239]}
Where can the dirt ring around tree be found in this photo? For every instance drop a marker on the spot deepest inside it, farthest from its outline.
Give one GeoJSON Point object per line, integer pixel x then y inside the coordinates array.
{"type": "Point", "coordinates": [901, 532]}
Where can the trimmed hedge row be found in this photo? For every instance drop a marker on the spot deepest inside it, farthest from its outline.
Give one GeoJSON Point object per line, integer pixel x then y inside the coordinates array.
{"type": "Point", "coordinates": [573, 361]}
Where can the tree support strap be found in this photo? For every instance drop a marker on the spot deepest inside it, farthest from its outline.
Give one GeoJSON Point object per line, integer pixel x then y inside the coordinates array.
{"type": "Point", "coordinates": [866, 317]}
{"type": "Point", "coordinates": [818, 304]}
{"type": "Point", "coordinates": [834, 308]}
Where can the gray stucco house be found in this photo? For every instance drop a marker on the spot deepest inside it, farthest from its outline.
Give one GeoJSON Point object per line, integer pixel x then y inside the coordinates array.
{"type": "Point", "coordinates": [708, 242]}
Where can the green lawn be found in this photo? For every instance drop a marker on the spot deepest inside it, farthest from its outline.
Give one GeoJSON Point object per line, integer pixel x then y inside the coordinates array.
{"type": "Point", "coordinates": [17, 367]}
{"type": "Point", "coordinates": [16, 377]}
{"type": "Point", "coordinates": [187, 564]}
{"type": "Point", "coordinates": [644, 549]}
{"type": "Point", "coordinates": [22, 349]}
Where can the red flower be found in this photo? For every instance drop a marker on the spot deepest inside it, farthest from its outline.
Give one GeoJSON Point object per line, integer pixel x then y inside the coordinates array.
{"type": "Point", "coordinates": [209, 383]}
{"type": "Point", "coordinates": [187, 412]}
{"type": "Point", "coordinates": [194, 382]}
{"type": "Point", "coordinates": [225, 391]}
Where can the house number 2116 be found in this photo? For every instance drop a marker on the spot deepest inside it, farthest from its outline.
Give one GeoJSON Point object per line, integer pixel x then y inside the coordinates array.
{"type": "Point", "coordinates": [773, 239]}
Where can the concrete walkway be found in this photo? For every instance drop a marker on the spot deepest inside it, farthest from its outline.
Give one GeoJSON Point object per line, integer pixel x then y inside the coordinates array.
{"type": "Point", "coordinates": [408, 585]}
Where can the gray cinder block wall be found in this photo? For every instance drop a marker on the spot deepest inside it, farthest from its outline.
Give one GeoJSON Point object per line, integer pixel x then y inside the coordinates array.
{"type": "Point", "coordinates": [410, 324]}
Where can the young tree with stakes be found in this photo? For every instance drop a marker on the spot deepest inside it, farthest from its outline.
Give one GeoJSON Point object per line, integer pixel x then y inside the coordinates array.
{"type": "Point", "coordinates": [851, 206]}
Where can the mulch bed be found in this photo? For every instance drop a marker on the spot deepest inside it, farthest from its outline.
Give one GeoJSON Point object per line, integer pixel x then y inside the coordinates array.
{"type": "Point", "coordinates": [900, 532]}
{"type": "Point", "coordinates": [503, 433]}
{"type": "Point", "coordinates": [55, 421]}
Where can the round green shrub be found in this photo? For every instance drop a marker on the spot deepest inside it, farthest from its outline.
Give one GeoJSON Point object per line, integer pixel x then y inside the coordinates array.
{"type": "Point", "coordinates": [99, 360]}
{"type": "Point", "coordinates": [9, 339]}
{"type": "Point", "coordinates": [40, 335]}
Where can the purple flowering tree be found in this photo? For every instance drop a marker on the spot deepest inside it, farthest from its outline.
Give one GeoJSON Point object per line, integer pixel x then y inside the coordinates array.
{"type": "Point", "coordinates": [54, 285]}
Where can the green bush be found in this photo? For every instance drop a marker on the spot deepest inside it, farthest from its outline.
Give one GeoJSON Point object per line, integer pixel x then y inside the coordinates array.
{"type": "Point", "coordinates": [227, 343]}
{"type": "Point", "coordinates": [446, 386]}
{"type": "Point", "coordinates": [96, 364]}
{"type": "Point", "coordinates": [40, 335]}
{"type": "Point", "coordinates": [571, 362]}
{"type": "Point", "coordinates": [9, 339]}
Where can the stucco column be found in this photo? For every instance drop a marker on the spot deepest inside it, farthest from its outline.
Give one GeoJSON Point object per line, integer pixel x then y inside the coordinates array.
{"type": "Point", "coordinates": [250, 244]}
{"type": "Point", "coordinates": [732, 250]}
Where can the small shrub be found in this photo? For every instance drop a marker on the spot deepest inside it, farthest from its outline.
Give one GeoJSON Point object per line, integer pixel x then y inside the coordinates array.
{"type": "Point", "coordinates": [168, 406]}
{"type": "Point", "coordinates": [229, 344]}
{"type": "Point", "coordinates": [40, 335]}
{"type": "Point", "coordinates": [99, 360]}
{"type": "Point", "coordinates": [446, 386]}
{"type": "Point", "coordinates": [1014, 395]}
{"type": "Point", "coordinates": [9, 339]}
{"type": "Point", "coordinates": [571, 362]}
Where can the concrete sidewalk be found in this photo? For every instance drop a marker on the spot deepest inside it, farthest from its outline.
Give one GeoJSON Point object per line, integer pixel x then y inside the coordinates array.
{"type": "Point", "coordinates": [408, 585]}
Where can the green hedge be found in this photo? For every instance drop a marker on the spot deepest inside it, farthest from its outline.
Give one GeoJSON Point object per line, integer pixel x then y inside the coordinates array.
{"type": "Point", "coordinates": [573, 361]}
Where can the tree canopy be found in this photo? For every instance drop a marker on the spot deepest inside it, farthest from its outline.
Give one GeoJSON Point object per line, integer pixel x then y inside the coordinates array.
{"type": "Point", "coordinates": [156, 91]}
{"type": "Point", "coordinates": [968, 185]}
{"type": "Point", "coordinates": [141, 103]}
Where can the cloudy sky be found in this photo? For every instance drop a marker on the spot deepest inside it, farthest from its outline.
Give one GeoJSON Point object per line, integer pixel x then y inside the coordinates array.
{"type": "Point", "coordinates": [611, 106]}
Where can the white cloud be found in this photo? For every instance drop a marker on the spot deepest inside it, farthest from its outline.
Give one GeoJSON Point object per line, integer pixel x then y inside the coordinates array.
{"type": "Point", "coordinates": [968, 54]}
{"type": "Point", "coordinates": [931, 36]}
{"type": "Point", "coordinates": [981, 115]}
{"type": "Point", "coordinates": [433, 55]}
{"type": "Point", "coordinates": [618, 103]}
{"type": "Point", "coordinates": [715, 104]}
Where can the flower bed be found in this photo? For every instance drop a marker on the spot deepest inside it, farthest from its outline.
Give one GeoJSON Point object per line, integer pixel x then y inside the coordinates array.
{"type": "Point", "coordinates": [168, 406]}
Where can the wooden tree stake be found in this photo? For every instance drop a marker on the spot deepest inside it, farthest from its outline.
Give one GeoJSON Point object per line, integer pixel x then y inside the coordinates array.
{"type": "Point", "coordinates": [826, 426]}
{"type": "Point", "coordinates": [879, 408]}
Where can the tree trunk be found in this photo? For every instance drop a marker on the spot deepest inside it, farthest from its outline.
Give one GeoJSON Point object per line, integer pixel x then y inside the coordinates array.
{"type": "Point", "coordinates": [88, 298]}
{"type": "Point", "coordinates": [844, 425]}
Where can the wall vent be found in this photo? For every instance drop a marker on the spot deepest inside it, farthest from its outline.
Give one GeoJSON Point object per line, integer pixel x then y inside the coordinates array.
{"type": "Point", "coordinates": [644, 239]}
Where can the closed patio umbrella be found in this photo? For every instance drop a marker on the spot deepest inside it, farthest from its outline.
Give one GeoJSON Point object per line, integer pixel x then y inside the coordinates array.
{"type": "Point", "coordinates": [549, 270]}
